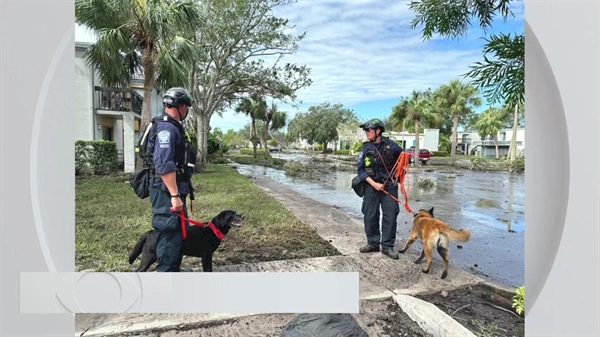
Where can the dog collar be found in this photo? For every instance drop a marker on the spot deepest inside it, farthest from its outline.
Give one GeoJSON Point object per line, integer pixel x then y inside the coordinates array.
{"type": "Point", "coordinates": [215, 230]}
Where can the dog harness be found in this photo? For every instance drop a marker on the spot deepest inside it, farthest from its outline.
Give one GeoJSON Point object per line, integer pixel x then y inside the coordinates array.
{"type": "Point", "coordinates": [212, 226]}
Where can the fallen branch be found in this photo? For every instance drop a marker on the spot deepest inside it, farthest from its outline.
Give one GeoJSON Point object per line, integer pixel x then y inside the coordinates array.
{"type": "Point", "coordinates": [503, 309]}
{"type": "Point", "coordinates": [455, 311]}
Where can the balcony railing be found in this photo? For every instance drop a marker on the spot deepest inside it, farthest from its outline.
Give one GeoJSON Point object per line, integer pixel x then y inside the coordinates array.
{"type": "Point", "coordinates": [118, 99]}
{"type": "Point", "coordinates": [464, 140]}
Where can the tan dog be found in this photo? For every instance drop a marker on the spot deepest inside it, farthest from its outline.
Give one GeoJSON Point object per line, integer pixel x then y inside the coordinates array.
{"type": "Point", "coordinates": [433, 233]}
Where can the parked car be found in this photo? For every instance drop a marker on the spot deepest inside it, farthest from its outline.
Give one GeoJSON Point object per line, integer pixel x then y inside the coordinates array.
{"type": "Point", "coordinates": [424, 155]}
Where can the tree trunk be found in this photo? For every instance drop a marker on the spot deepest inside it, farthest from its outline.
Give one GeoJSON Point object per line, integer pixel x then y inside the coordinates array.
{"type": "Point", "coordinates": [454, 138]}
{"type": "Point", "coordinates": [254, 137]}
{"type": "Point", "coordinates": [513, 141]}
{"type": "Point", "coordinates": [496, 143]}
{"type": "Point", "coordinates": [417, 149]}
{"type": "Point", "coordinates": [148, 88]}
{"type": "Point", "coordinates": [202, 137]}
{"type": "Point", "coordinates": [265, 139]}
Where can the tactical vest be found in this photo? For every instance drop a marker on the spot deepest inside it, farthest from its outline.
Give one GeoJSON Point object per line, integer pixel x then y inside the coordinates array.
{"type": "Point", "coordinates": [377, 164]}
{"type": "Point", "coordinates": [185, 153]}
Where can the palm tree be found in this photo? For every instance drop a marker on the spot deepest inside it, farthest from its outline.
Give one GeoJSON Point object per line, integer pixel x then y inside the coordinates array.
{"type": "Point", "coordinates": [254, 107]}
{"type": "Point", "coordinates": [416, 108]}
{"type": "Point", "coordinates": [458, 99]}
{"type": "Point", "coordinates": [489, 123]}
{"type": "Point", "coordinates": [274, 120]}
{"type": "Point", "coordinates": [141, 36]}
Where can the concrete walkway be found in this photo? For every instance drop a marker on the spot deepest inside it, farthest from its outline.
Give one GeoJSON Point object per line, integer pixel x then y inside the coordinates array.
{"type": "Point", "coordinates": [380, 276]}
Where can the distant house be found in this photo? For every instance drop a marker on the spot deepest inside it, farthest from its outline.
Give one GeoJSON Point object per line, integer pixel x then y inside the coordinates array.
{"type": "Point", "coordinates": [103, 113]}
{"type": "Point", "coordinates": [428, 139]}
{"type": "Point", "coordinates": [470, 142]}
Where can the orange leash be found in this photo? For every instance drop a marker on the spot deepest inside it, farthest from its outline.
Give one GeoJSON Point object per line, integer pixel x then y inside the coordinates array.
{"type": "Point", "coordinates": [402, 165]}
{"type": "Point", "coordinates": [402, 173]}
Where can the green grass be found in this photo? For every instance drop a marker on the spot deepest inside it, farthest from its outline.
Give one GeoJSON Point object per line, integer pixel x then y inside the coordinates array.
{"type": "Point", "coordinates": [110, 218]}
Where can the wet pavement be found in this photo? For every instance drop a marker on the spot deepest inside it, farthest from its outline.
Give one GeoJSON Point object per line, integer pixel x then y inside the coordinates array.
{"type": "Point", "coordinates": [489, 204]}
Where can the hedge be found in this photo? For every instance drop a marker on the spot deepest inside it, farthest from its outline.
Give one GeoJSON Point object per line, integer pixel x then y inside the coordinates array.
{"type": "Point", "coordinates": [95, 157]}
{"type": "Point", "coordinates": [249, 151]}
{"type": "Point", "coordinates": [439, 153]}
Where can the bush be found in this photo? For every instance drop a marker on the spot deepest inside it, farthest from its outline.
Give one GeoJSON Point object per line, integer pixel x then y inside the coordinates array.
{"type": "Point", "coordinates": [356, 146]}
{"type": "Point", "coordinates": [519, 300]}
{"type": "Point", "coordinates": [518, 165]}
{"type": "Point", "coordinates": [343, 152]}
{"type": "Point", "coordinates": [439, 153]}
{"type": "Point", "coordinates": [481, 161]}
{"type": "Point", "coordinates": [250, 152]}
{"type": "Point", "coordinates": [95, 157]}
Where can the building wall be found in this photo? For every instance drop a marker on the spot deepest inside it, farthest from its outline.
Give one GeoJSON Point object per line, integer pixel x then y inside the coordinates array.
{"type": "Point", "coordinates": [84, 105]}
{"type": "Point", "coordinates": [428, 139]}
{"type": "Point", "coordinates": [504, 136]}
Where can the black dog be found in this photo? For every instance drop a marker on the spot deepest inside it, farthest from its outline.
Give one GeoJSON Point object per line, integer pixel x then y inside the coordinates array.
{"type": "Point", "coordinates": [200, 242]}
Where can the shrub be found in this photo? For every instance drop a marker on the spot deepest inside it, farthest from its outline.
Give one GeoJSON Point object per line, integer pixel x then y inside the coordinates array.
{"type": "Point", "coordinates": [518, 165]}
{"type": "Point", "coordinates": [343, 152]}
{"type": "Point", "coordinates": [250, 152]}
{"type": "Point", "coordinates": [439, 153]}
{"type": "Point", "coordinates": [519, 300]}
{"type": "Point", "coordinates": [356, 146]}
{"type": "Point", "coordinates": [96, 157]}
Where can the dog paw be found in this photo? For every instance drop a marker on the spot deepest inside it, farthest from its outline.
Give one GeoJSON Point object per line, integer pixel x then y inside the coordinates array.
{"type": "Point", "coordinates": [425, 271]}
{"type": "Point", "coordinates": [444, 274]}
{"type": "Point", "coordinates": [418, 261]}
{"type": "Point", "coordinates": [402, 251]}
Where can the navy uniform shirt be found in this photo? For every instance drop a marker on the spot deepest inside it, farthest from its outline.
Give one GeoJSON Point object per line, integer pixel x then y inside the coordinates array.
{"type": "Point", "coordinates": [163, 145]}
{"type": "Point", "coordinates": [380, 171]}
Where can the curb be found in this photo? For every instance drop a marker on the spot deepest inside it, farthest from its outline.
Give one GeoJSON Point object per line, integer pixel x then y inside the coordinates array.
{"type": "Point", "coordinates": [430, 318]}
{"type": "Point", "coordinates": [159, 326]}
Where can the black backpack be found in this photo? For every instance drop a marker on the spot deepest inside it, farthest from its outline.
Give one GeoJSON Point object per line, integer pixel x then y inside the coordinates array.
{"type": "Point", "coordinates": [141, 179]}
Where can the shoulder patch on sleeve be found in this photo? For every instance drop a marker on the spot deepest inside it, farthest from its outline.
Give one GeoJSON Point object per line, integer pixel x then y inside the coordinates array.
{"type": "Point", "coordinates": [164, 138]}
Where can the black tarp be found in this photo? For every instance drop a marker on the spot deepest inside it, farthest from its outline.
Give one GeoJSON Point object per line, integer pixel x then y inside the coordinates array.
{"type": "Point", "coordinates": [323, 325]}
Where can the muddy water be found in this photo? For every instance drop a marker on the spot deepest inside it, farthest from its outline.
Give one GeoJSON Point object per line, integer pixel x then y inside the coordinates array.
{"type": "Point", "coordinates": [489, 204]}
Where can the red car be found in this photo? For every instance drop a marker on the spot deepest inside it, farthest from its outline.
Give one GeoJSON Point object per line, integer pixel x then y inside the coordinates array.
{"type": "Point", "coordinates": [424, 155]}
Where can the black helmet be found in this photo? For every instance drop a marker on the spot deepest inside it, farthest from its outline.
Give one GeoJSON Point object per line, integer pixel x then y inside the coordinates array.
{"type": "Point", "coordinates": [373, 124]}
{"type": "Point", "coordinates": [177, 96]}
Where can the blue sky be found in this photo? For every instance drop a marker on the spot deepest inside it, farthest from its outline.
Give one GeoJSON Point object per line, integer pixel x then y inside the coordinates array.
{"type": "Point", "coordinates": [364, 55]}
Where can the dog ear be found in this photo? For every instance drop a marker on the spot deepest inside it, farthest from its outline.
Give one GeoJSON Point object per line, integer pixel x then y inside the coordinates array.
{"type": "Point", "coordinates": [431, 211]}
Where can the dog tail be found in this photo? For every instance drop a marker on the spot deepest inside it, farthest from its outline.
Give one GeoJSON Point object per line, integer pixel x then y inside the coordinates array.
{"type": "Point", "coordinates": [137, 250]}
{"type": "Point", "coordinates": [461, 235]}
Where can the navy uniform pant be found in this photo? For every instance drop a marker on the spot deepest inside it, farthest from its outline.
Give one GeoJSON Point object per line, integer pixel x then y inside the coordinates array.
{"type": "Point", "coordinates": [373, 200]}
{"type": "Point", "coordinates": [167, 226]}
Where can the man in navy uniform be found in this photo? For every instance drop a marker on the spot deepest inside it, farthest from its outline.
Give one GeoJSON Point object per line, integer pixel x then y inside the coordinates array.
{"type": "Point", "coordinates": [170, 184]}
{"type": "Point", "coordinates": [377, 157]}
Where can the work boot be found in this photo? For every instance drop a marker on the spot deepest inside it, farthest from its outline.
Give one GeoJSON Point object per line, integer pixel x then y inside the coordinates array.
{"type": "Point", "coordinates": [368, 249]}
{"type": "Point", "coordinates": [390, 253]}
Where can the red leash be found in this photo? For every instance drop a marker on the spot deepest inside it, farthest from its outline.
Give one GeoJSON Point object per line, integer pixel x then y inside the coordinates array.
{"type": "Point", "coordinates": [212, 226]}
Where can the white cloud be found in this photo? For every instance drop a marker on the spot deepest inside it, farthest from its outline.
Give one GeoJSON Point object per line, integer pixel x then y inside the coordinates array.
{"type": "Point", "coordinates": [365, 50]}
